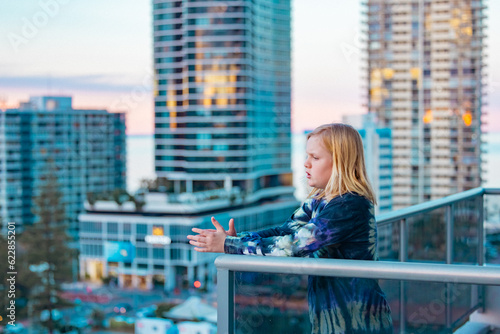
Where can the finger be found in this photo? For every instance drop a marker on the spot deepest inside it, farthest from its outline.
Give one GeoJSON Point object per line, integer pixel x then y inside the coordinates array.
{"type": "Point", "coordinates": [232, 230]}
{"type": "Point", "coordinates": [198, 238]}
{"type": "Point", "coordinates": [201, 250]}
{"type": "Point", "coordinates": [202, 239]}
{"type": "Point", "coordinates": [217, 225]}
{"type": "Point", "coordinates": [201, 231]}
{"type": "Point", "coordinates": [198, 244]}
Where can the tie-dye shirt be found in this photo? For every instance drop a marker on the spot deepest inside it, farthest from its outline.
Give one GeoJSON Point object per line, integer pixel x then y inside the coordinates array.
{"type": "Point", "coordinates": [343, 228]}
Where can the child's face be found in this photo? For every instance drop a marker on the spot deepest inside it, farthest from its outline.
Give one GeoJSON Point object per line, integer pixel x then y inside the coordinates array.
{"type": "Point", "coordinates": [318, 163]}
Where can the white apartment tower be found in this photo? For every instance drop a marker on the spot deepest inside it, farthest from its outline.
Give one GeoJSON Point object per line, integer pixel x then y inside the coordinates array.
{"type": "Point", "coordinates": [425, 61]}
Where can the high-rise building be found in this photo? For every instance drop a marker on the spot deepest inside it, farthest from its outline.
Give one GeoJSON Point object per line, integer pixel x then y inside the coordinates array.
{"type": "Point", "coordinates": [425, 61]}
{"type": "Point", "coordinates": [222, 95]}
{"type": "Point", "coordinates": [84, 149]}
{"type": "Point", "coordinates": [222, 142]}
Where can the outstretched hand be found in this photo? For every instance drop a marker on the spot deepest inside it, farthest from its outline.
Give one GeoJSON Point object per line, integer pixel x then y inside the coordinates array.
{"type": "Point", "coordinates": [231, 232]}
{"type": "Point", "coordinates": [210, 240]}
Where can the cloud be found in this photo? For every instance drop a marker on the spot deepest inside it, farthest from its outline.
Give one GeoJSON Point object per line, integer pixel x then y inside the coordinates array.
{"type": "Point", "coordinates": [98, 83]}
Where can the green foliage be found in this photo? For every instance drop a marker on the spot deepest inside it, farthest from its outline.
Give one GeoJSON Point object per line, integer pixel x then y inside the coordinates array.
{"type": "Point", "coordinates": [46, 258]}
{"type": "Point", "coordinates": [4, 285]}
{"type": "Point", "coordinates": [162, 308]}
{"type": "Point", "coordinates": [160, 184]}
{"type": "Point", "coordinates": [139, 203]}
{"type": "Point", "coordinates": [120, 196]}
{"type": "Point", "coordinates": [105, 280]}
{"type": "Point", "coordinates": [98, 317]}
{"type": "Point", "coordinates": [121, 325]}
{"type": "Point", "coordinates": [91, 198]}
{"type": "Point", "coordinates": [21, 288]}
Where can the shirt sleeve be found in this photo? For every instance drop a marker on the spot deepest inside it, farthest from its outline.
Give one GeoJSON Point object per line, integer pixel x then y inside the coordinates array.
{"type": "Point", "coordinates": [337, 222]}
{"type": "Point", "coordinates": [300, 217]}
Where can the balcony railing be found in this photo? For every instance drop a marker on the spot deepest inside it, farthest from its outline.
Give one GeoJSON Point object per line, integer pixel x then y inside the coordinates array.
{"type": "Point", "coordinates": [437, 241]}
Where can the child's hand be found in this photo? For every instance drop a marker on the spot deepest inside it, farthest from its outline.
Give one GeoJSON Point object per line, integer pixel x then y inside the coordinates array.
{"type": "Point", "coordinates": [231, 232]}
{"type": "Point", "coordinates": [211, 240]}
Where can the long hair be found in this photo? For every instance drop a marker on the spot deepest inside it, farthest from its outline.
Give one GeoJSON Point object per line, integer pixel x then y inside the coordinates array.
{"type": "Point", "coordinates": [348, 162]}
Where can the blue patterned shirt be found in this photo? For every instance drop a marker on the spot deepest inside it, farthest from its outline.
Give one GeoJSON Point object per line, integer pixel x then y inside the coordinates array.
{"type": "Point", "coordinates": [343, 228]}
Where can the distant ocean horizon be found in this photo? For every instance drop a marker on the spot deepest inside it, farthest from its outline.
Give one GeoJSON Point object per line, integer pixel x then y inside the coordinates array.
{"type": "Point", "coordinates": [140, 161]}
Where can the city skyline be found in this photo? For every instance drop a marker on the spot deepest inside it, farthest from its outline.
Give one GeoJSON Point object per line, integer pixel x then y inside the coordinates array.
{"type": "Point", "coordinates": [68, 48]}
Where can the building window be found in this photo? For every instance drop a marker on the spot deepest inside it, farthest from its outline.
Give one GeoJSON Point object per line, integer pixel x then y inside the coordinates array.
{"type": "Point", "coordinates": [92, 250]}
{"type": "Point", "coordinates": [142, 252]}
{"type": "Point", "coordinates": [126, 229]}
{"type": "Point", "coordinates": [112, 228]}
{"type": "Point", "coordinates": [142, 229]}
{"type": "Point", "coordinates": [158, 253]}
{"type": "Point", "coordinates": [175, 254]}
{"type": "Point", "coordinates": [92, 227]}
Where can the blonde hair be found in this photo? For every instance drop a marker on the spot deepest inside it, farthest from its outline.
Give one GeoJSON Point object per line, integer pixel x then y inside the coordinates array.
{"type": "Point", "coordinates": [348, 162]}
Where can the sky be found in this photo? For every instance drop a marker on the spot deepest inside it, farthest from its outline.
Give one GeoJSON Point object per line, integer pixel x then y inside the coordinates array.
{"type": "Point", "coordinates": [100, 53]}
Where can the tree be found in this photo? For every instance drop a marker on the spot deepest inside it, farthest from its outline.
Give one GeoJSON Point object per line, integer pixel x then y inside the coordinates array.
{"type": "Point", "coordinates": [160, 184]}
{"type": "Point", "coordinates": [138, 201]}
{"type": "Point", "coordinates": [4, 284]}
{"type": "Point", "coordinates": [12, 290]}
{"type": "Point", "coordinates": [91, 198]}
{"type": "Point", "coordinates": [46, 251]}
{"type": "Point", "coordinates": [120, 196]}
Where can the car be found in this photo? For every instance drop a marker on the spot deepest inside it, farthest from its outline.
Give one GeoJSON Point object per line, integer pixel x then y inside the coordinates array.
{"type": "Point", "coordinates": [122, 308]}
{"type": "Point", "coordinates": [147, 312]}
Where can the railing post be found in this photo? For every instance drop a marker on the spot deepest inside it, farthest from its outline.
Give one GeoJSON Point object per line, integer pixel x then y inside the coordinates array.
{"type": "Point", "coordinates": [403, 240]}
{"type": "Point", "coordinates": [480, 232]}
{"type": "Point", "coordinates": [225, 301]}
{"type": "Point", "coordinates": [403, 257]}
{"type": "Point", "coordinates": [480, 249]}
{"type": "Point", "coordinates": [450, 209]}
{"type": "Point", "coordinates": [449, 216]}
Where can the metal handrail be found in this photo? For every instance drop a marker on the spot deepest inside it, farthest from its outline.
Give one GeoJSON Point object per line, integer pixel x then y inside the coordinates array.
{"type": "Point", "coordinates": [408, 271]}
{"type": "Point", "coordinates": [492, 191]}
{"type": "Point", "coordinates": [397, 215]}
{"type": "Point", "coordinates": [477, 275]}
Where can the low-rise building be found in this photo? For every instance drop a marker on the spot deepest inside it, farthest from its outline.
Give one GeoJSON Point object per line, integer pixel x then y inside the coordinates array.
{"type": "Point", "coordinates": [143, 246]}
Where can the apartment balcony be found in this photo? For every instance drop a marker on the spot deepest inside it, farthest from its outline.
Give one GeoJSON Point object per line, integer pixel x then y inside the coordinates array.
{"type": "Point", "coordinates": [439, 268]}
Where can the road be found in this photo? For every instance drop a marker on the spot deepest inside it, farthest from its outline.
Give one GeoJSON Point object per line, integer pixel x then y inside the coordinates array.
{"type": "Point", "coordinates": [104, 298]}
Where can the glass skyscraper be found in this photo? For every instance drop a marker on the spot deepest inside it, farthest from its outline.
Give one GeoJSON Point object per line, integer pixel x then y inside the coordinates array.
{"type": "Point", "coordinates": [222, 95]}
{"type": "Point", "coordinates": [222, 142]}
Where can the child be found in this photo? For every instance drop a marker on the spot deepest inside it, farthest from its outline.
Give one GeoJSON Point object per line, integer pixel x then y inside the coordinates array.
{"type": "Point", "coordinates": [336, 221]}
